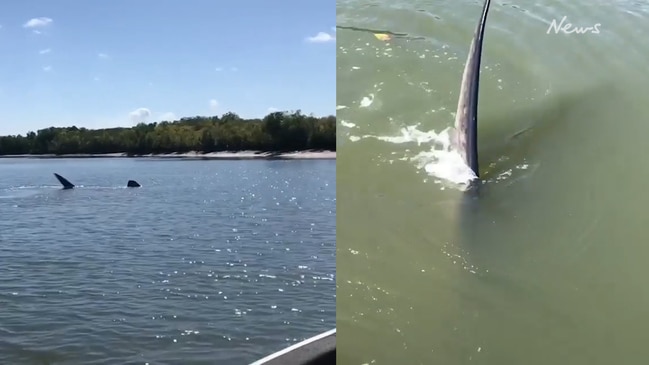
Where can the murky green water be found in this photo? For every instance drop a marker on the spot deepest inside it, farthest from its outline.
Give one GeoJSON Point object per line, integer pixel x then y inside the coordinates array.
{"type": "Point", "coordinates": [548, 264]}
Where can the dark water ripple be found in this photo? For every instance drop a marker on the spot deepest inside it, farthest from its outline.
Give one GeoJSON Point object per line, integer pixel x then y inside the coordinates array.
{"type": "Point", "coordinates": [210, 262]}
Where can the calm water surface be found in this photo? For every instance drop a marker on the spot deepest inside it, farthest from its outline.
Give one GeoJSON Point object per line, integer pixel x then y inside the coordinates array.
{"type": "Point", "coordinates": [549, 264]}
{"type": "Point", "coordinates": [210, 262]}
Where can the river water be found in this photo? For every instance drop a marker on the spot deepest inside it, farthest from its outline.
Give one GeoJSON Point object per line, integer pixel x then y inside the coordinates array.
{"type": "Point", "coordinates": [548, 264]}
{"type": "Point", "coordinates": [210, 262]}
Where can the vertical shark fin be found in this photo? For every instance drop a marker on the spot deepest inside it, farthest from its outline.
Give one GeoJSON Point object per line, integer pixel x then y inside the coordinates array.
{"type": "Point", "coordinates": [466, 118]}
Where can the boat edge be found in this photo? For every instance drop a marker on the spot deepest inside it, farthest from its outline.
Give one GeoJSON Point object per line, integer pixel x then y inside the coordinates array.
{"type": "Point", "coordinates": [294, 347]}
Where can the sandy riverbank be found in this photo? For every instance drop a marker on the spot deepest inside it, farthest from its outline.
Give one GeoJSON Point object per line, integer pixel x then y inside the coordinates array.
{"type": "Point", "coordinates": [239, 155]}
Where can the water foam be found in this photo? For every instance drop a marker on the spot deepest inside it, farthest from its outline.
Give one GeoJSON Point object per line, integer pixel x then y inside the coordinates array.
{"type": "Point", "coordinates": [438, 159]}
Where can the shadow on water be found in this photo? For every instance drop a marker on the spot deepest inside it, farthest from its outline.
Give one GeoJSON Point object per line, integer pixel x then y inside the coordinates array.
{"type": "Point", "coordinates": [507, 139]}
{"type": "Point", "coordinates": [486, 212]}
{"type": "Point", "coordinates": [517, 138]}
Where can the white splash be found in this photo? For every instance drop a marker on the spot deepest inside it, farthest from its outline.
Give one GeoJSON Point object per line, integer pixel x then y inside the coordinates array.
{"type": "Point", "coordinates": [367, 101]}
{"type": "Point", "coordinates": [347, 124]}
{"type": "Point", "coordinates": [439, 160]}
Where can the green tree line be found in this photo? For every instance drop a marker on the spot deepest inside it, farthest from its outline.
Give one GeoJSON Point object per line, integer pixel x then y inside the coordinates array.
{"type": "Point", "coordinates": [276, 132]}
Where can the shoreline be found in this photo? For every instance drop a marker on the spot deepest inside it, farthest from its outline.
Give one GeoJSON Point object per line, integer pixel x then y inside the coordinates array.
{"type": "Point", "coordinates": [239, 155]}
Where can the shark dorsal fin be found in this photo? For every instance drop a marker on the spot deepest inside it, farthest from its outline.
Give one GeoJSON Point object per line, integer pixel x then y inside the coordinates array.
{"type": "Point", "coordinates": [66, 184]}
{"type": "Point", "coordinates": [466, 118]}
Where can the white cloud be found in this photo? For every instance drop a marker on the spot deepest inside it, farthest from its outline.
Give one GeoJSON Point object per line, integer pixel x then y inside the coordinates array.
{"type": "Point", "coordinates": [221, 69]}
{"type": "Point", "coordinates": [47, 68]}
{"type": "Point", "coordinates": [214, 105]}
{"type": "Point", "coordinates": [36, 31]}
{"type": "Point", "coordinates": [272, 110]}
{"type": "Point", "coordinates": [167, 117]}
{"type": "Point", "coordinates": [102, 55]}
{"type": "Point", "coordinates": [139, 115]}
{"type": "Point", "coordinates": [38, 22]}
{"type": "Point", "coordinates": [321, 37]}
{"type": "Point", "coordinates": [145, 115]}
{"type": "Point", "coordinates": [45, 51]}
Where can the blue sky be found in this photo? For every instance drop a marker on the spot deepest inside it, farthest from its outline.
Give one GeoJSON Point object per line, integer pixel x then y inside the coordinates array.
{"type": "Point", "coordinates": [114, 63]}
